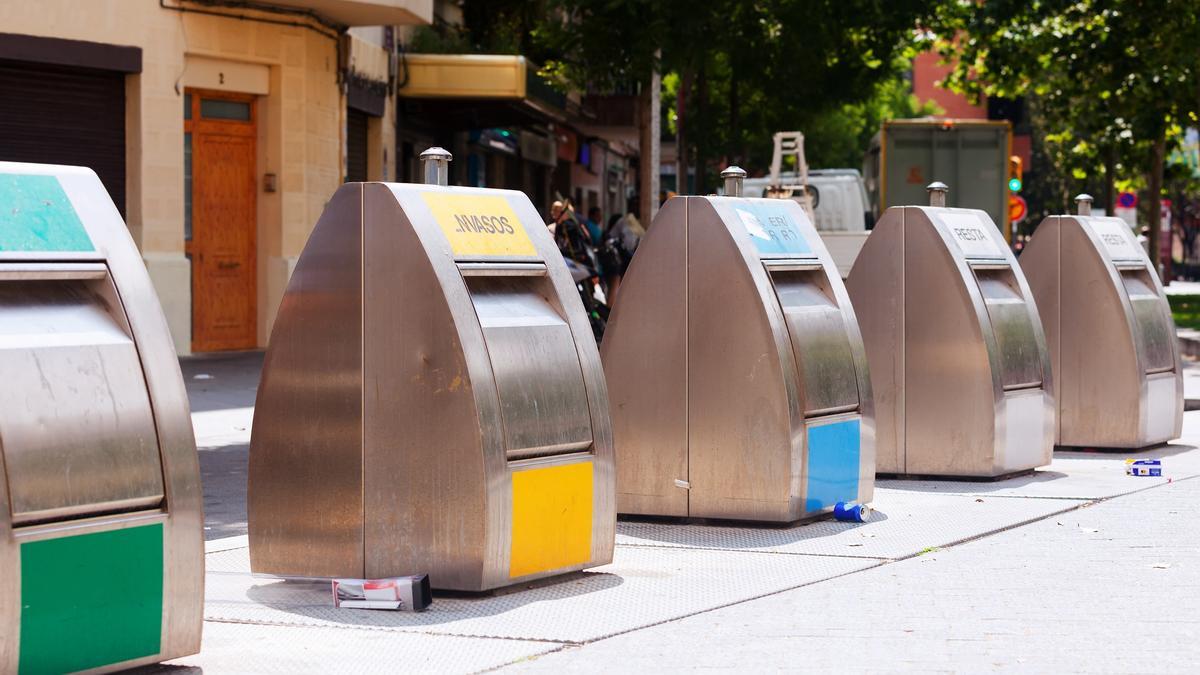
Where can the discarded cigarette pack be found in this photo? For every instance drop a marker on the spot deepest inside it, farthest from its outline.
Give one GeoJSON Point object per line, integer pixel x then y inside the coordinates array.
{"type": "Point", "coordinates": [1143, 467]}
{"type": "Point", "coordinates": [410, 594]}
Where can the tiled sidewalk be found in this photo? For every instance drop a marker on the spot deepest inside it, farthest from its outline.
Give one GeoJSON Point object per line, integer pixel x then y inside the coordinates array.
{"type": "Point", "coordinates": [1072, 568]}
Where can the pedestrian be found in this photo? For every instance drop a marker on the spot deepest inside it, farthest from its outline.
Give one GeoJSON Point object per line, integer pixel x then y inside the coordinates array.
{"type": "Point", "coordinates": [621, 240]}
{"type": "Point", "coordinates": [556, 213]}
{"type": "Point", "coordinates": [594, 216]}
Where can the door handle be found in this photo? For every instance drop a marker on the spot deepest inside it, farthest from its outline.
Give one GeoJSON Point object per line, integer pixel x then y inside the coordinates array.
{"type": "Point", "coordinates": [228, 265]}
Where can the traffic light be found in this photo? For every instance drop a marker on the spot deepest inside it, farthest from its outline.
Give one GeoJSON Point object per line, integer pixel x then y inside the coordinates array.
{"type": "Point", "coordinates": [1015, 173]}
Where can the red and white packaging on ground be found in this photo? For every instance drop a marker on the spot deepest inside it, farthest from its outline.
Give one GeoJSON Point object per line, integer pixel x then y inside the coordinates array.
{"type": "Point", "coordinates": [410, 594]}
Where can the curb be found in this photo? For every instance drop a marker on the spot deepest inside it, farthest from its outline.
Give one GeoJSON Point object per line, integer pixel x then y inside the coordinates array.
{"type": "Point", "coordinates": [1189, 342]}
{"type": "Point", "coordinates": [1189, 347]}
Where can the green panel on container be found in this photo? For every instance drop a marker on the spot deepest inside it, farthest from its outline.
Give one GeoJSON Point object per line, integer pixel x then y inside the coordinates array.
{"type": "Point", "coordinates": [91, 600]}
{"type": "Point", "coordinates": [35, 215]}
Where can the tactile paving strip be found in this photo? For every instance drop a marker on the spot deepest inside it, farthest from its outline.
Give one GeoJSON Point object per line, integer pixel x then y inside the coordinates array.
{"type": "Point", "coordinates": [241, 648]}
{"type": "Point", "coordinates": [643, 586]}
{"type": "Point", "coordinates": [904, 523]}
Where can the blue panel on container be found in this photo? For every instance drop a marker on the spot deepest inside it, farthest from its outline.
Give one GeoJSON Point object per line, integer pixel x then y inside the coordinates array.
{"type": "Point", "coordinates": [772, 228]}
{"type": "Point", "coordinates": [36, 215]}
{"type": "Point", "coordinates": [833, 463]}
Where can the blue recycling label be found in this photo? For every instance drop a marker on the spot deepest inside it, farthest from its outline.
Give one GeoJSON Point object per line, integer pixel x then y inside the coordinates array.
{"type": "Point", "coordinates": [36, 215]}
{"type": "Point", "coordinates": [771, 228]}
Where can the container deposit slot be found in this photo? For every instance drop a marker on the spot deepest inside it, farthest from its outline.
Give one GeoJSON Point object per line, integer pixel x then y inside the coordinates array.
{"type": "Point", "coordinates": [1011, 325]}
{"type": "Point", "coordinates": [1153, 331]}
{"type": "Point", "coordinates": [71, 367]}
{"type": "Point", "coordinates": [543, 402]}
{"type": "Point", "coordinates": [817, 329]}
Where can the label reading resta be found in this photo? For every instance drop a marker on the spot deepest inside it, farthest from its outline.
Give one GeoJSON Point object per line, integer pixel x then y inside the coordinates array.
{"type": "Point", "coordinates": [971, 235]}
{"type": "Point", "coordinates": [1114, 236]}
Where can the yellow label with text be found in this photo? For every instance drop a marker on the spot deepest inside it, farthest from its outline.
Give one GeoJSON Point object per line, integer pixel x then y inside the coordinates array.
{"type": "Point", "coordinates": [551, 518]}
{"type": "Point", "coordinates": [479, 224]}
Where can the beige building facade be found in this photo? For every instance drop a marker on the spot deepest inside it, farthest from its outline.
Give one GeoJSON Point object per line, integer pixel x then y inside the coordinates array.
{"type": "Point", "coordinates": [239, 124]}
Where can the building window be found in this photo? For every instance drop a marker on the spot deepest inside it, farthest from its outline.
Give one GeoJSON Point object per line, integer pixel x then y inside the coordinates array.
{"type": "Point", "coordinates": [221, 109]}
{"type": "Point", "coordinates": [187, 184]}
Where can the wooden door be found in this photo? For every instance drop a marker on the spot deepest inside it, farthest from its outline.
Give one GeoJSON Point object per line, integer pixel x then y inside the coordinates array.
{"type": "Point", "coordinates": [220, 135]}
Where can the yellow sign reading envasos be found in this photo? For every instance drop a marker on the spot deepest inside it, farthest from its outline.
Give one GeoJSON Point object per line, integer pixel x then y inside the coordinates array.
{"type": "Point", "coordinates": [479, 224]}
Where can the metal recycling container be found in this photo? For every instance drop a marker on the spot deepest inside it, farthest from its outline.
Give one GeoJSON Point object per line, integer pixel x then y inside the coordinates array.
{"type": "Point", "coordinates": [959, 362]}
{"type": "Point", "coordinates": [735, 368]}
{"type": "Point", "coordinates": [1112, 340]}
{"type": "Point", "coordinates": [432, 399]}
{"type": "Point", "coordinates": [101, 539]}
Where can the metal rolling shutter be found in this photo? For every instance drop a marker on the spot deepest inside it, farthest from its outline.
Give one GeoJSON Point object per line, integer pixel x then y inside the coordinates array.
{"type": "Point", "coordinates": [356, 145]}
{"type": "Point", "coordinates": [63, 115]}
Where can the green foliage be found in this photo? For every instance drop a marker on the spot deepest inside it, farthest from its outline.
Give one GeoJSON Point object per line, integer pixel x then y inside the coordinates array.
{"type": "Point", "coordinates": [488, 27]}
{"type": "Point", "coordinates": [838, 139]}
{"type": "Point", "coordinates": [431, 40]}
{"type": "Point", "coordinates": [759, 67]}
{"type": "Point", "coordinates": [605, 45]}
{"type": "Point", "coordinates": [1110, 81]}
{"type": "Point", "coordinates": [1185, 309]}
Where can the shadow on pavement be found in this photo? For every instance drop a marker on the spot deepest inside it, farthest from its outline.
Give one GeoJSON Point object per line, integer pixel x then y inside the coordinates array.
{"type": "Point", "coordinates": [221, 381]}
{"type": "Point", "coordinates": [1153, 452]}
{"type": "Point", "coordinates": [967, 486]}
{"type": "Point", "coordinates": [311, 599]}
{"type": "Point", "coordinates": [223, 478]}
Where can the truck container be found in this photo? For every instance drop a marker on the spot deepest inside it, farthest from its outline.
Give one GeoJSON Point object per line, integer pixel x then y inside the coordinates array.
{"type": "Point", "coordinates": [971, 156]}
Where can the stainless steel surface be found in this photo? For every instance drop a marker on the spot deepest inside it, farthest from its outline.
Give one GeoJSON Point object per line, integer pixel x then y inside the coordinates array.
{"type": "Point", "coordinates": [78, 432]}
{"type": "Point", "coordinates": [937, 193]}
{"type": "Point", "coordinates": [819, 340]}
{"type": "Point", "coordinates": [1155, 335]}
{"type": "Point", "coordinates": [735, 178]}
{"type": "Point", "coordinates": [1110, 332]}
{"type": "Point", "coordinates": [435, 165]}
{"type": "Point", "coordinates": [721, 357]}
{"type": "Point", "coordinates": [46, 271]}
{"type": "Point", "coordinates": [407, 382]}
{"type": "Point", "coordinates": [312, 407]}
{"type": "Point", "coordinates": [649, 334]}
{"type": "Point", "coordinates": [1012, 326]}
{"type": "Point", "coordinates": [95, 432]}
{"type": "Point", "coordinates": [959, 363]}
{"type": "Point", "coordinates": [1083, 203]}
{"type": "Point", "coordinates": [543, 403]}
{"type": "Point", "coordinates": [476, 269]}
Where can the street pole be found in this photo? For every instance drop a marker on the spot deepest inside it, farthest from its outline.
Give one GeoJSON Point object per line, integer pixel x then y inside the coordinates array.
{"type": "Point", "coordinates": [650, 147]}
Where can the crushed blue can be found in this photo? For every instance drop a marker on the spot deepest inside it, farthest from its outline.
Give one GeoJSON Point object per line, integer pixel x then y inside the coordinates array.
{"type": "Point", "coordinates": [1143, 467]}
{"type": "Point", "coordinates": [851, 512]}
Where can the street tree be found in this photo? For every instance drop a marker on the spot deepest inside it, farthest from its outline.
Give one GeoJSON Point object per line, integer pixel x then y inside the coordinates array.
{"type": "Point", "coordinates": [750, 68]}
{"type": "Point", "coordinates": [1118, 74]}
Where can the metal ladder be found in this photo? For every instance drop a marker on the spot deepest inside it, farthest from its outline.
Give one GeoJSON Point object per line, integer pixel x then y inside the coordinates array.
{"type": "Point", "coordinates": [790, 144]}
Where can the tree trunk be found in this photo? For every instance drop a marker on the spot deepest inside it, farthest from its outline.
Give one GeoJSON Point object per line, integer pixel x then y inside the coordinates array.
{"type": "Point", "coordinates": [735, 132]}
{"type": "Point", "coordinates": [1154, 188]}
{"type": "Point", "coordinates": [649, 147]}
{"type": "Point", "coordinates": [681, 148]}
{"type": "Point", "coordinates": [701, 114]}
{"type": "Point", "coordinates": [1110, 180]}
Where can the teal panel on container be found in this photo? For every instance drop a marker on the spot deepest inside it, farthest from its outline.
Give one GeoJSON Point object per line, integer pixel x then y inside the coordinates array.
{"type": "Point", "coordinates": [772, 228]}
{"type": "Point", "coordinates": [833, 463]}
{"type": "Point", "coordinates": [36, 215]}
{"type": "Point", "coordinates": [91, 600]}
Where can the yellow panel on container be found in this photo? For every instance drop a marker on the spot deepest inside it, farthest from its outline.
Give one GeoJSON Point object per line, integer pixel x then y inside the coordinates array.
{"type": "Point", "coordinates": [551, 518]}
{"type": "Point", "coordinates": [479, 224]}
